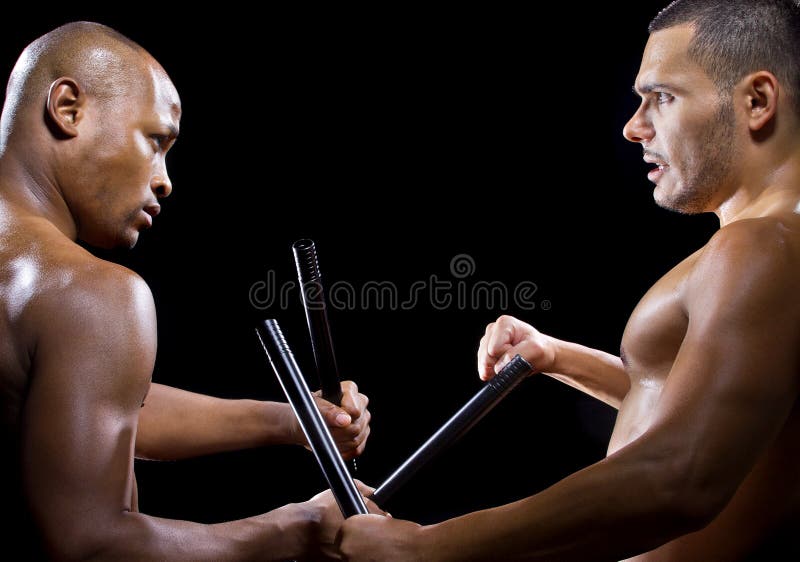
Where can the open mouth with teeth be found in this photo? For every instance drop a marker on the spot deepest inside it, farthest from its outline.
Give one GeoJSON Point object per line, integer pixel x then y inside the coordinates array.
{"type": "Point", "coordinates": [656, 173]}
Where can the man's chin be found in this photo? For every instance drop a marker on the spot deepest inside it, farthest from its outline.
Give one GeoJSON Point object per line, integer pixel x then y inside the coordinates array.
{"type": "Point", "coordinates": [667, 203]}
{"type": "Point", "coordinates": [128, 239]}
{"type": "Point", "coordinates": [663, 197]}
{"type": "Point", "coordinates": [129, 243]}
{"type": "Point", "coordinates": [125, 242]}
{"type": "Point", "coordinates": [678, 202]}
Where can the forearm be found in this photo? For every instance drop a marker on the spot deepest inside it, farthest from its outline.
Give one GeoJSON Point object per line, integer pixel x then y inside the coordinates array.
{"type": "Point", "coordinates": [281, 534]}
{"type": "Point", "coordinates": [605, 512]}
{"type": "Point", "coordinates": [594, 372]}
{"type": "Point", "coordinates": [175, 424]}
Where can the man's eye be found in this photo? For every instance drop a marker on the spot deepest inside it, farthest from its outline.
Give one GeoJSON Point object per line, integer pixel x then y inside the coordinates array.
{"type": "Point", "coordinates": [159, 140]}
{"type": "Point", "coordinates": [663, 97]}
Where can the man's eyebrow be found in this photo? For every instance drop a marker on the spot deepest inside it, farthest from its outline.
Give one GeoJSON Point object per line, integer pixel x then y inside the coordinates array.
{"type": "Point", "coordinates": [173, 131]}
{"type": "Point", "coordinates": [648, 88]}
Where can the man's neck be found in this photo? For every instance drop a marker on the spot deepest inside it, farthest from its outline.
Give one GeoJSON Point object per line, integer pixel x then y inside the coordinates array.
{"type": "Point", "coordinates": [770, 193]}
{"type": "Point", "coordinates": [34, 193]}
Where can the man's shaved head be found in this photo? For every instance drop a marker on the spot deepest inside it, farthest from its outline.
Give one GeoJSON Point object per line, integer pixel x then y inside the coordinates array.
{"type": "Point", "coordinates": [88, 119]}
{"type": "Point", "coordinates": [105, 63]}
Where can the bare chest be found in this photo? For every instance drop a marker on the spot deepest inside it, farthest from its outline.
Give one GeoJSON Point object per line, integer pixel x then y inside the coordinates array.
{"type": "Point", "coordinates": [650, 343]}
{"type": "Point", "coordinates": [657, 326]}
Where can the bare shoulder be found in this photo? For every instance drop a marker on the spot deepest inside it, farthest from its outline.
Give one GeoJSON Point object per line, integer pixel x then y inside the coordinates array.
{"type": "Point", "coordinates": [753, 262]}
{"type": "Point", "coordinates": [55, 280]}
{"type": "Point", "coordinates": [71, 320]}
{"type": "Point", "coordinates": [767, 241]}
{"type": "Point", "coordinates": [93, 324]}
{"type": "Point", "coordinates": [76, 280]}
{"type": "Point", "coordinates": [48, 280]}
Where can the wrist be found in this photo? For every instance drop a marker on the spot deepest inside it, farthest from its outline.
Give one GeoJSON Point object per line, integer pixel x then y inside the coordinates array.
{"type": "Point", "coordinates": [423, 544]}
{"type": "Point", "coordinates": [554, 353]}
{"type": "Point", "coordinates": [293, 433]}
{"type": "Point", "coordinates": [273, 423]}
{"type": "Point", "coordinates": [300, 526]}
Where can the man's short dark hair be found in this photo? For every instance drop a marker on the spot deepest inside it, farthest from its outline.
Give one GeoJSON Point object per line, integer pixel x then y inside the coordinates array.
{"type": "Point", "coordinates": [736, 37]}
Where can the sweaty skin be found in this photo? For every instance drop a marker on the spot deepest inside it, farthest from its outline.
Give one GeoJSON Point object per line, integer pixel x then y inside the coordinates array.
{"type": "Point", "coordinates": [703, 464]}
{"type": "Point", "coordinates": [87, 123]}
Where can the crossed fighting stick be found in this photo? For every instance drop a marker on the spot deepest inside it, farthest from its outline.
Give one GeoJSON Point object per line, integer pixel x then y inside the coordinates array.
{"type": "Point", "coordinates": [316, 431]}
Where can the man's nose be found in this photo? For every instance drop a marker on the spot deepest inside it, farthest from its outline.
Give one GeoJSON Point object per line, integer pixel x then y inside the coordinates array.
{"type": "Point", "coordinates": [638, 128]}
{"type": "Point", "coordinates": [161, 185]}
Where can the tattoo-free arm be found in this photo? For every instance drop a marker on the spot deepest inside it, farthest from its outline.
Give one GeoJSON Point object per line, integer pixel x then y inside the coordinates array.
{"type": "Point", "coordinates": [176, 424]}
{"type": "Point", "coordinates": [594, 372]}
{"type": "Point", "coordinates": [728, 394]}
{"type": "Point", "coordinates": [92, 364]}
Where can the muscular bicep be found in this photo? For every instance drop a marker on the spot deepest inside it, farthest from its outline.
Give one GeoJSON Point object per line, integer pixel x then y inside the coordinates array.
{"type": "Point", "coordinates": [735, 378]}
{"type": "Point", "coordinates": [92, 367]}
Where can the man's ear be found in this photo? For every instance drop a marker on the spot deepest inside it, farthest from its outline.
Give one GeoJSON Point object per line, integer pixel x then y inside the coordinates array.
{"type": "Point", "coordinates": [65, 104]}
{"type": "Point", "coordinates": [761, 91]}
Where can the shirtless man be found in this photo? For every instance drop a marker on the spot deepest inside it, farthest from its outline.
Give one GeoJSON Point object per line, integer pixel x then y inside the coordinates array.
{"type": "Point", "coordinates": [88, 119]}
{"type": "Point", "coordinates": [704, 463]}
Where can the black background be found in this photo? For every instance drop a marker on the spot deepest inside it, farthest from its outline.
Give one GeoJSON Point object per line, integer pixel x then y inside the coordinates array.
{"type": "Point", "coordinates": [397, 139]}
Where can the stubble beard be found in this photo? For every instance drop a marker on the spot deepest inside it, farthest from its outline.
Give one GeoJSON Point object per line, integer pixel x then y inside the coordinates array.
{"type": "Point", "coordinates": [706, 167]}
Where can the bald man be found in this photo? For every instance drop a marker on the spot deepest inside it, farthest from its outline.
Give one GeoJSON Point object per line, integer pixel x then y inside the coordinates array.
{"type": "Point", "coordinates": [88, 119]}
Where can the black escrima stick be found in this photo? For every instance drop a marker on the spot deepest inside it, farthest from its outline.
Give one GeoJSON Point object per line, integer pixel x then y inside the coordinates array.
{"type": "Point", "coordinates": [480, 405]}
{"type": "Point", "coordinates": [313, 294]}
{"type": "Point", "coordinates": [316, 308]}
{"type": "Point", "coordinates": [313, 426]}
